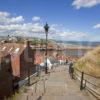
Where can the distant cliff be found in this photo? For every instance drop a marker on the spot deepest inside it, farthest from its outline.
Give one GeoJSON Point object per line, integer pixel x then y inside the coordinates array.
{"type": "Point", "coordinates": [90, 63]}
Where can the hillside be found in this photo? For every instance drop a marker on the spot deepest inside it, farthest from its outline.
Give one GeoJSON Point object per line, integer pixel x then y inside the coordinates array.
{"type": "Point", "coordinates": [90, 63]}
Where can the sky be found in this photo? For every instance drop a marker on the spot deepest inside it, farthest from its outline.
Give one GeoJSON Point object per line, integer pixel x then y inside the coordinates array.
{"type": "Point", "coordinates": [77, 20]}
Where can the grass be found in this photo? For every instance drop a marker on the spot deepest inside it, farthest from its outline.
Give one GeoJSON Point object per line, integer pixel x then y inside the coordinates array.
{"type": "Point", "coordinates": [90, 63]}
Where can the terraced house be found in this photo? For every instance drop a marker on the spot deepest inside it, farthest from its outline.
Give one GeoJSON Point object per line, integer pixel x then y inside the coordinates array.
{"type": "Point", "coordinates": [16, 63]}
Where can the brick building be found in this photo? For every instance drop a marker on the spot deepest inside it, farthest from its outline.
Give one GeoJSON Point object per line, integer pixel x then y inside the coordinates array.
{"type": "Point", "coordinates": [16, 63]}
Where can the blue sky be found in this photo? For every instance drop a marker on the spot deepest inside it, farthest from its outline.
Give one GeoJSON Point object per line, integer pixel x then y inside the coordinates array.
{"type": "Point", "coordinates": [68, 19]}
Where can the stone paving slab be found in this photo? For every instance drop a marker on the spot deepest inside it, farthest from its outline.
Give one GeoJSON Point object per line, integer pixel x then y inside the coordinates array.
{"type": "Point", "coordinates": [58, 86]}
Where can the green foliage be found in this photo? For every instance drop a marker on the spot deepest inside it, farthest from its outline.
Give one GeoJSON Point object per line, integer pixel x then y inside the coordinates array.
{"type": "Point", "coordinates": [39, 41]}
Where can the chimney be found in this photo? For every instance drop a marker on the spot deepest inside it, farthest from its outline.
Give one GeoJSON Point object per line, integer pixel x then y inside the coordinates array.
{"type": "Point", "coordinates": [28, 43]}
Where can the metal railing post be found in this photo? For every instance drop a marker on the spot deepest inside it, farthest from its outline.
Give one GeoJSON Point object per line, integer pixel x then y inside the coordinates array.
{"type": "Point", "coordinates": [85, 84]}
{"type": "Point", "coordinates": [36, 87]}
{"type": "Point", "coordinates": [82, 78]}
{"type": "Point", "coordinates": [44, 85]}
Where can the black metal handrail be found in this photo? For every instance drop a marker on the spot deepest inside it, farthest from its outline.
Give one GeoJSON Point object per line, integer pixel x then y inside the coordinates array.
{"type": "Point", "coordinates": [87, 73]}
{"type": "Point", "coordinates": [93, 84]}
{"type": "Point", "coordinates": [82, 79]}
{"type": "Point", "coordinates": [94, 91]}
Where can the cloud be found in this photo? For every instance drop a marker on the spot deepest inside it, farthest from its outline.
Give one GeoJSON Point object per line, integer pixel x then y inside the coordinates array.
{"type": "Point", "coordinates": [13, 25]}
{"type": "Point", "coordinates": [73, 35]}
{"type": "Point", "coordinates": [16, 19]}
{"type": "Point", "coordinates": [85, 3]}
{"type": "Point", "coordinates": [97, 26]}
{"type": "Point", "coordinates": [5, 18]}
{"type": "Point", "coordinates": [36, 18]}
{"type": "Point", "coordinates": [23, 29]}
{"type": "Point", "coordinates": [17, 26]}
{"type": "Point", "coordinates": [4, 14]}
{"type": "Point", "coordinates": [36, 29]}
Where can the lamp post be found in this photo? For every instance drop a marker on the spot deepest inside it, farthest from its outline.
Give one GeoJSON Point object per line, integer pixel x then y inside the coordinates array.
{"type": "Point", "coordinates": [46, 27]}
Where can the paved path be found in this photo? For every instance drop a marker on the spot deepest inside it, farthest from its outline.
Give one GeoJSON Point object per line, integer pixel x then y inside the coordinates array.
{"type": "Point", "coordinates": [58, 86]}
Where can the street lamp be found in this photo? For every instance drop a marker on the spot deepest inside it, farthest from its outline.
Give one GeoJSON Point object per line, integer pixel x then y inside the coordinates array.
{"type": "Point", "coordinates": [46, 27]}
